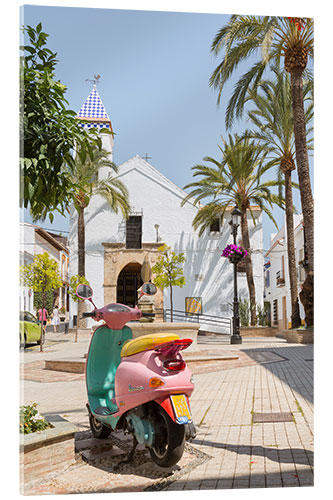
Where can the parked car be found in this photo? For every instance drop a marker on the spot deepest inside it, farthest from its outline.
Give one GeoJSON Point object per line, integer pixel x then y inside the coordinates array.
{"type": "Point", "coordinates": [30, 329]}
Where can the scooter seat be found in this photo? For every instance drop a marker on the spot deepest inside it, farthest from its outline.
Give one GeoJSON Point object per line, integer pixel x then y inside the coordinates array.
{"type": "Point", "coordinates": [146, 342]}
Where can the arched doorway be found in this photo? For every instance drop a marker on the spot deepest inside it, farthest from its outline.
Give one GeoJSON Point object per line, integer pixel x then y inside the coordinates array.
{"type": "Point", "coordinates": [129, 280]}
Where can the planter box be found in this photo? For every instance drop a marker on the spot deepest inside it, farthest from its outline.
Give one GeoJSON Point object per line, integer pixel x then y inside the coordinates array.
{"type": "Point", "coordinates": [299, 336]}
{"type": "Point", "coordinates": [47, 451]}
{"type": "Point", "coordinates": [258, 331]}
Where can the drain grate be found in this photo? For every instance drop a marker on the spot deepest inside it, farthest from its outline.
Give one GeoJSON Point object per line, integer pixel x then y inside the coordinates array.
{"type": "Point", "coordinates": [259, 418]}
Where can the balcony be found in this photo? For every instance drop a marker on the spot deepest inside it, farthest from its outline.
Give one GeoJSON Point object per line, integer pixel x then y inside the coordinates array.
{"type": "Point", "coordinates": [280, 281]}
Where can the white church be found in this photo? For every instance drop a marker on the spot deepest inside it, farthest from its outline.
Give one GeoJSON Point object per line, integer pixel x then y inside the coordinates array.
{"type": "Point", "coordinates": [116, 248]}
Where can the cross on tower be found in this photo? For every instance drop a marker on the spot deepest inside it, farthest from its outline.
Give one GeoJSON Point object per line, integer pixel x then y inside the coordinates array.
{"type": "Point", "coordinates": [146, 157]}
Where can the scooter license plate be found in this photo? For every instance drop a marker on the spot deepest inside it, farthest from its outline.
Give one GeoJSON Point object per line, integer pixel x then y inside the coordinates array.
{"type": "Point", "coordinates": [181, 408]}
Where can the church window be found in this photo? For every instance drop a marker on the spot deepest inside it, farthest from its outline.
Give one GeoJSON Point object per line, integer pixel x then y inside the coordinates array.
{"type": "Point", "coordinates": [215, 226]}
{"type": "Point", "coordinates": [134, 231]}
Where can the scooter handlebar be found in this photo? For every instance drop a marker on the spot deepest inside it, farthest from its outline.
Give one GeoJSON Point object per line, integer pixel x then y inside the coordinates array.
{"type": "Point", "coordinates": [91, 314]}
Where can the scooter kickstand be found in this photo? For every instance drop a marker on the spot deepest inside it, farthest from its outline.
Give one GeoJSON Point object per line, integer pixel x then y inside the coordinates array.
{"type": "Point", "coordinates": [131, 453]}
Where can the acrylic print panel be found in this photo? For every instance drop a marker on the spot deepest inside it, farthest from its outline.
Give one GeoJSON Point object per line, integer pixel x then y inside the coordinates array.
{"type": "Point", "coordinates": [146, 74]}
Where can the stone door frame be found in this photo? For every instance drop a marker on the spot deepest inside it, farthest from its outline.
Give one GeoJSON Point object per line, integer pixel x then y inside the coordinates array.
{"type": "Point", "coordinates": [116, 257]}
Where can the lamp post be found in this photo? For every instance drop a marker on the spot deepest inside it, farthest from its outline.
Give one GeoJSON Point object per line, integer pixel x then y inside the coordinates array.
{"type": "Point", "coordinates": [235, 337]}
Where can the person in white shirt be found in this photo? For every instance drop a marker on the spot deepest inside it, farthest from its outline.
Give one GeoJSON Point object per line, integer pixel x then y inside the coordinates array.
{"type": "Point", "coordinates": [55, 319]}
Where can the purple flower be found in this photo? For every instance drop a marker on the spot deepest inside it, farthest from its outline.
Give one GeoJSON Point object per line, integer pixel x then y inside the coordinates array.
{"type": "Point", "coordinates": [233, 249]}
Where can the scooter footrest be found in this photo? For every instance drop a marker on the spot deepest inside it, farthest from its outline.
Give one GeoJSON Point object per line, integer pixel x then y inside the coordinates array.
{"type": "Point", "coordinates": [104, 410]}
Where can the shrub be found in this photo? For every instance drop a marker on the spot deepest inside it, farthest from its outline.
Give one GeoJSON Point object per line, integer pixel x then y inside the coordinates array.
{"type": "Point", "coordinates": [31, 420]}
{"type": "Point", "coordinates": [244, 312]}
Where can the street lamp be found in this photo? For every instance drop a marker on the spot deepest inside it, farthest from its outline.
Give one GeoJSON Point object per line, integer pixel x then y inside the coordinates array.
{"type": "Point", "coordinates": [235, 337]}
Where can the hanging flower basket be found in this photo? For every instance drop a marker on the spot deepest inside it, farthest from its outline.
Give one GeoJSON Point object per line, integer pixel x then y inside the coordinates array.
{"type": "Point", "coordinates": [234, 253]}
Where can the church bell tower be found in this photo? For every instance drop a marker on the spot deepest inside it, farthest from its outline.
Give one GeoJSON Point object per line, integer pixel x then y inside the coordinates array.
{"type": "Point", "coordinates": [93, 115]}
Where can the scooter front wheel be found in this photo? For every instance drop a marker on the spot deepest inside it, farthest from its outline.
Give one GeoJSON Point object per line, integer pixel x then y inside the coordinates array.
{"type": "Point", "coordinates": [98, 429]}
{"type": "Point", "coordinates": [169, 440]}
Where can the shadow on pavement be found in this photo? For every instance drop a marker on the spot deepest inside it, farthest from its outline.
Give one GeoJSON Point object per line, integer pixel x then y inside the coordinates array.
{"type": "Point", "coordinates": [302, 379]}
{"type": "Point", "coordinates": [282, 455]}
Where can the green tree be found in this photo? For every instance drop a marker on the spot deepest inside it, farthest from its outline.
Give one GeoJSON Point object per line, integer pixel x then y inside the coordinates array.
{"type": "Point", "coordinates": [42, 276]}
{"type": "Point", "coordinates": [84, 175]}
{"type": "Point", "coordinates": [168, 271]}
{"type": "Point", "coordinates": [271, 114]}
{"type": "Point", "coordinates": [236, 180]}
{"type": "Point", "coordinates": [49, 132]}
{"type": "Point", "coordinates": [277, 37]}
{"type": "Point", "coordinates": [49, 299]}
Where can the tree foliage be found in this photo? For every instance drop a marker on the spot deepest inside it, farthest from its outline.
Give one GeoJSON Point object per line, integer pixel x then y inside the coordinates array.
{"type": "Point", "coordinates": [269, 38]}
{"type": "Point", "coordinates": [38, 301]}
{"type": "Point", "coordinates": [168, 271]}
{"type": "Point", "coordinates": [42, 275]}
{"type": "Point", "coordinates": [168, 268]}
{"type": "Point", "coordinates": [49, 131]}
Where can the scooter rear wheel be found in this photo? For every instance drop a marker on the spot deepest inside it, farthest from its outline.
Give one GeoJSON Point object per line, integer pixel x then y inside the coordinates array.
{"type": "Point", "coordinates": [98, 429]}
{"type": "Point", "coordinates": [169, 441]}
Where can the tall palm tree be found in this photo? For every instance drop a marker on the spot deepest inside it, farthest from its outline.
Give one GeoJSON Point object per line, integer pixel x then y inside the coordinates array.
{"type": "Point", "coordinates": [271, 114]}
{"type": "Point", "coordinates": [84, 176]}
{"type": "Point", "coordinates": [235, 180]}
{"type": "Point", "coordinates": [292, 39]}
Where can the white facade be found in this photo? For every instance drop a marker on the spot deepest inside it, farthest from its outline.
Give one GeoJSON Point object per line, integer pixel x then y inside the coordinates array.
{"type": "Point", "coordinates": [277, 283]}
{"type": "Point", "coordinates": [208, 275]}
{"type": "Point", "coordinates": [33, 241]}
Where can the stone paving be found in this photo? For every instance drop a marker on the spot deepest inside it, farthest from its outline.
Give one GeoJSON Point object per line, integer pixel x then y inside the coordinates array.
{"type": "Point", "coordinates": [229, 451]}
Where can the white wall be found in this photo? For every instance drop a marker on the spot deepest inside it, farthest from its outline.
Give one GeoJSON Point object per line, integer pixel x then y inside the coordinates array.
{"type": "Point", "coordinates": [273, 292]}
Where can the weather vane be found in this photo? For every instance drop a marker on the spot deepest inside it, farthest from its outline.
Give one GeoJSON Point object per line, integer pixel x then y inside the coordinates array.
{"type": "Point", "coordinates": [96, 79]}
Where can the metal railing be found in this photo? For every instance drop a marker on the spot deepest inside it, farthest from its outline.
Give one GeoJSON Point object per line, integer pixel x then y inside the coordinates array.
{"type": "Point", "coordinates": [207, 322]}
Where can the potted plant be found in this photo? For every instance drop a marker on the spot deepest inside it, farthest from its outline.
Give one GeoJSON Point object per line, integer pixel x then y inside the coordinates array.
{"type": "Point", "coordinates": [234, 253]}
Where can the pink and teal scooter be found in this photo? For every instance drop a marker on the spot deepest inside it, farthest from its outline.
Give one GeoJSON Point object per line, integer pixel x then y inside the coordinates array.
{"type": "Point", "coordinates": [139, 385]}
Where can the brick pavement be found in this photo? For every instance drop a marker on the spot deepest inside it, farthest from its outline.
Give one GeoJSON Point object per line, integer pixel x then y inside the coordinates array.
{"type": "Point", "coordinates": [236, 453]}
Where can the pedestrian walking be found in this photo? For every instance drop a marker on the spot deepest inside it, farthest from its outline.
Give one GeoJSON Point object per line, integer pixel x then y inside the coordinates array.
{"type": "Point", "coordinates": [42, 316]}
{"type": "Point", "coordinates": [55, 319]}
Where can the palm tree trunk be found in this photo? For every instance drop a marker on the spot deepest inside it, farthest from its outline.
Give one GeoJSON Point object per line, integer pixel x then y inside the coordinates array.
{"type": "Point", "coordinates": [81, 322]}
{"type": "Point", "coordinates": [295, 317]}
{"type": "Point", "coordinates": [249, 267]}
{"type": "Point", "coordinates": [303, 162]}
{"type": "Point", "coordinates": [305, 186]}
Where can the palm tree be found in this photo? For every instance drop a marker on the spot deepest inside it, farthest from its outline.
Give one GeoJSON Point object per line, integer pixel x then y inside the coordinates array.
{"type": "Point", "coordinates": [84, 176]}
{"type": "Point", "coordinates": [292, 39]}
{"type": "Point", "coordinates": [235, 180]}
{"type": "Point", "coordinates": [273, 120]}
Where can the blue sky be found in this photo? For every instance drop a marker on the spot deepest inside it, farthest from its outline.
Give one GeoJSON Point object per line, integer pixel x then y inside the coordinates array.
{"type": "Point", "coordinates": [155, 68]}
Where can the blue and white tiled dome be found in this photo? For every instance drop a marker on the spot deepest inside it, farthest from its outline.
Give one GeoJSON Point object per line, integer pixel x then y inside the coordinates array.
{"type": "Point", "coordinates": [93, 106]}
{"type": "Point", "coordinates": [93, 109]}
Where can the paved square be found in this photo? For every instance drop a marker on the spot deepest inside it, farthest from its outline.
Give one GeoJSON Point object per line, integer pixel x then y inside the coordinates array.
{"type": "Point", "coordinates": [269, 376]}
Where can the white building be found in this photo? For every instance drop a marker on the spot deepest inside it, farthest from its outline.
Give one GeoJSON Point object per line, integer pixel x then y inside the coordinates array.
{"type": "Point", "coordinates": [116, 248]}
{"type": "Point", "coordinates": [36, 240]}
{"type": "Point", "coordinates": [277, 283]}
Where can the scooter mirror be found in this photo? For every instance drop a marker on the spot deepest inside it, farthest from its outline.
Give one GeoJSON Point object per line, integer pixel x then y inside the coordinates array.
{"type": "Point", "coordinates": [148, 289]}
{"type": "Point", "coordinates": [84, 292]}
